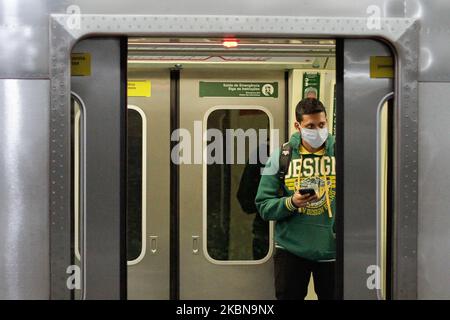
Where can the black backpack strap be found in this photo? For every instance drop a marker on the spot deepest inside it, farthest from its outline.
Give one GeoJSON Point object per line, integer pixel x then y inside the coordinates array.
{"type": "Point", "coordinates": [283, 164]}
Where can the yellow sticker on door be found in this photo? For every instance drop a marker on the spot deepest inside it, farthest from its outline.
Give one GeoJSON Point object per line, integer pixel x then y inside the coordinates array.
{"type": "Point", "coordinates": [81, 64]}
{"type": "Point", "coordinates": [139, 88]}
{"type": "Point", "coordinates": [382, 67]}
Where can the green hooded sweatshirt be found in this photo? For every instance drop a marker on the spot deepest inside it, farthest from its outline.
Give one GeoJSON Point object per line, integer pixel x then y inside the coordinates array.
{"type": "Point", "coordinates": [307, 232]}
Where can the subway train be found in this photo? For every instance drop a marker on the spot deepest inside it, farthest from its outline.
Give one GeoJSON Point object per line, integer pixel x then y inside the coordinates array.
{"type": "Point", "coordinates": [108, 110]}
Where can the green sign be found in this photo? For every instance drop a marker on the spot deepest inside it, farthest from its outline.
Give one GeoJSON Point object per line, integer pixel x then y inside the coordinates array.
{"type": "Point", "coordinates": [239, 89]}
{"type": "Point", "coordinates": [311, 83]}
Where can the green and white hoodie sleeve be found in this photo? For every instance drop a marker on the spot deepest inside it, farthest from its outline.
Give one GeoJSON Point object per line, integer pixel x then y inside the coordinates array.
{"type": "Point", "coordinates": [268, 202]}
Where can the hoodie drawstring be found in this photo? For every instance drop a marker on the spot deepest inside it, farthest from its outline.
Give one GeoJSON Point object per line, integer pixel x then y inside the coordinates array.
{"type": "Point", "coordinates": [327, 196]}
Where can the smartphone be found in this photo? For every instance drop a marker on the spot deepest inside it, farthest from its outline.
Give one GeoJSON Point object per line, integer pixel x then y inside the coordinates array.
{"type": "Point", "coordinates": [309, 191]}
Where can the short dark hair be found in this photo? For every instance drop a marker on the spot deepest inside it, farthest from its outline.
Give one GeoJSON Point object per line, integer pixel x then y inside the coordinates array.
{"type": "Point", "coordinates": [308, 106]}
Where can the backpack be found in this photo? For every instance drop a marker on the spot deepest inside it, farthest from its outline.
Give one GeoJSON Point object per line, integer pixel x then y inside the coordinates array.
{"type": "Point", "coordinates": [283, 165]}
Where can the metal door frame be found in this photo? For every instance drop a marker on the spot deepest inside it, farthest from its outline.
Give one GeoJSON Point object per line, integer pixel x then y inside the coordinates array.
{"type": "Point", "coordinates": [402, 34]}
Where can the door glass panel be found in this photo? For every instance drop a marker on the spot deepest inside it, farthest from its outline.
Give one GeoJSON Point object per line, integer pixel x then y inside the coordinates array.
{"type": "Point", "coordinates": [235, 231]}
{"type": "Point", "coordinates": [134, 184]}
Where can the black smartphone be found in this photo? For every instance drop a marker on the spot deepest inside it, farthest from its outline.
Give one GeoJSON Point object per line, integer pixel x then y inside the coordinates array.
{"type": "Point", "coordinates": [309, 191]}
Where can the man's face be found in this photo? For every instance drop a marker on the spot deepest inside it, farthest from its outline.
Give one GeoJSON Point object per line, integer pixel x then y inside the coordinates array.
{"type": "Point", "coordinates": [312, 121]}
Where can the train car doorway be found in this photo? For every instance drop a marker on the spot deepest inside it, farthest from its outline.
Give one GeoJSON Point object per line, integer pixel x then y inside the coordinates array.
{"type": "Point", "coordinates": [185, 228]}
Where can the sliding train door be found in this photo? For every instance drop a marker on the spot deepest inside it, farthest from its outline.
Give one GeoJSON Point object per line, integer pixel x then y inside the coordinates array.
{"type": "Point", "coordinates": [364, 137]}
{"type": "Point", "coordinates": [225, 248]}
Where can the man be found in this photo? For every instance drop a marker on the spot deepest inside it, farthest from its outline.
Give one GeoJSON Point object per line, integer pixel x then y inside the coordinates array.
{"type": "Point", "coordinates": [304, 232]}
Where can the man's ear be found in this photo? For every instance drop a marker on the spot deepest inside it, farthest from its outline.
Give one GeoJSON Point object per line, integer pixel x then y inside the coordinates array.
{"type": "Point", "coordinates": [297, 125]}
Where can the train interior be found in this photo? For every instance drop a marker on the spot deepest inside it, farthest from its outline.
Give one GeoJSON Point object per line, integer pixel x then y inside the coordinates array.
{"type": "Point", "coordinates": [192, 230]}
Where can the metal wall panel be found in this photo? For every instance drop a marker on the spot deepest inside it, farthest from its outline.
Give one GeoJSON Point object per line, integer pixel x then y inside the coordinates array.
{"type": "Point", "coordinates": [362, 95]}
{"type": "Point", "coordinates": [24, 37]}
{"type": "Point", "coordinates": [434, 185]}
{"type": "Point", "coordinates": [24, 33]}
{"type": "Point", "coordinates": [24, 188]}
{"type": "Point", "coordinates": [435, 28]}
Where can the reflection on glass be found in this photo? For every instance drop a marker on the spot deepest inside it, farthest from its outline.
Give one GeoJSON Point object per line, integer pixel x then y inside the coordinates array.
{"type": "Point", "coordinates": [235, 231]}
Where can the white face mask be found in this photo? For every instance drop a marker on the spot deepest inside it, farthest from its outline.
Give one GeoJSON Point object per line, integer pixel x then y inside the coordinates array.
{"type": "Point", "coordinates": [315, 137]}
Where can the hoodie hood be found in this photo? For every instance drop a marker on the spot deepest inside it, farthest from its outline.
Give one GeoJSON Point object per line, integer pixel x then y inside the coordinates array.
{"type": "Point", "coordinates": [296, 140]}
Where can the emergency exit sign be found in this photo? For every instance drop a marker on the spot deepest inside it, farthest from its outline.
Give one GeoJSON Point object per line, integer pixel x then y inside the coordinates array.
{"type": "Point", "coordinates": [239, 89]}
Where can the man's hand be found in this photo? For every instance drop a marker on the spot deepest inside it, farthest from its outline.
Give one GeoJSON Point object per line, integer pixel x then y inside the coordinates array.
{"type": "Point", "coordinates": [302, 201]}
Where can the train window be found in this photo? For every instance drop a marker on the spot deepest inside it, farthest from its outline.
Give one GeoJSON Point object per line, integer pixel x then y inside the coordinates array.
{"type": "Point", "coordinates": [136, 184]}
{"type": "Point", "coordinates": [235, 231]}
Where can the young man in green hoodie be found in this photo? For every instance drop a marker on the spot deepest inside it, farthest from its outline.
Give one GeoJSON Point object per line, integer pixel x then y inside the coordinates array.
{"type": "Point", "coordinates": [304, 230]}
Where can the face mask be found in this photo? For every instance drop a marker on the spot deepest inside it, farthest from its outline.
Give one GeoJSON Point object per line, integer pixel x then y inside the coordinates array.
{"type": "Point", "coordinates": [315, 137]}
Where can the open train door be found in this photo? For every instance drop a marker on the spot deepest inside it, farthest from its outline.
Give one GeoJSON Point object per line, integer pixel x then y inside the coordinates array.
{"type": "Point", "coordinates": [365, 146]}
{"type": "Point", "coordinates": [98, 84]}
